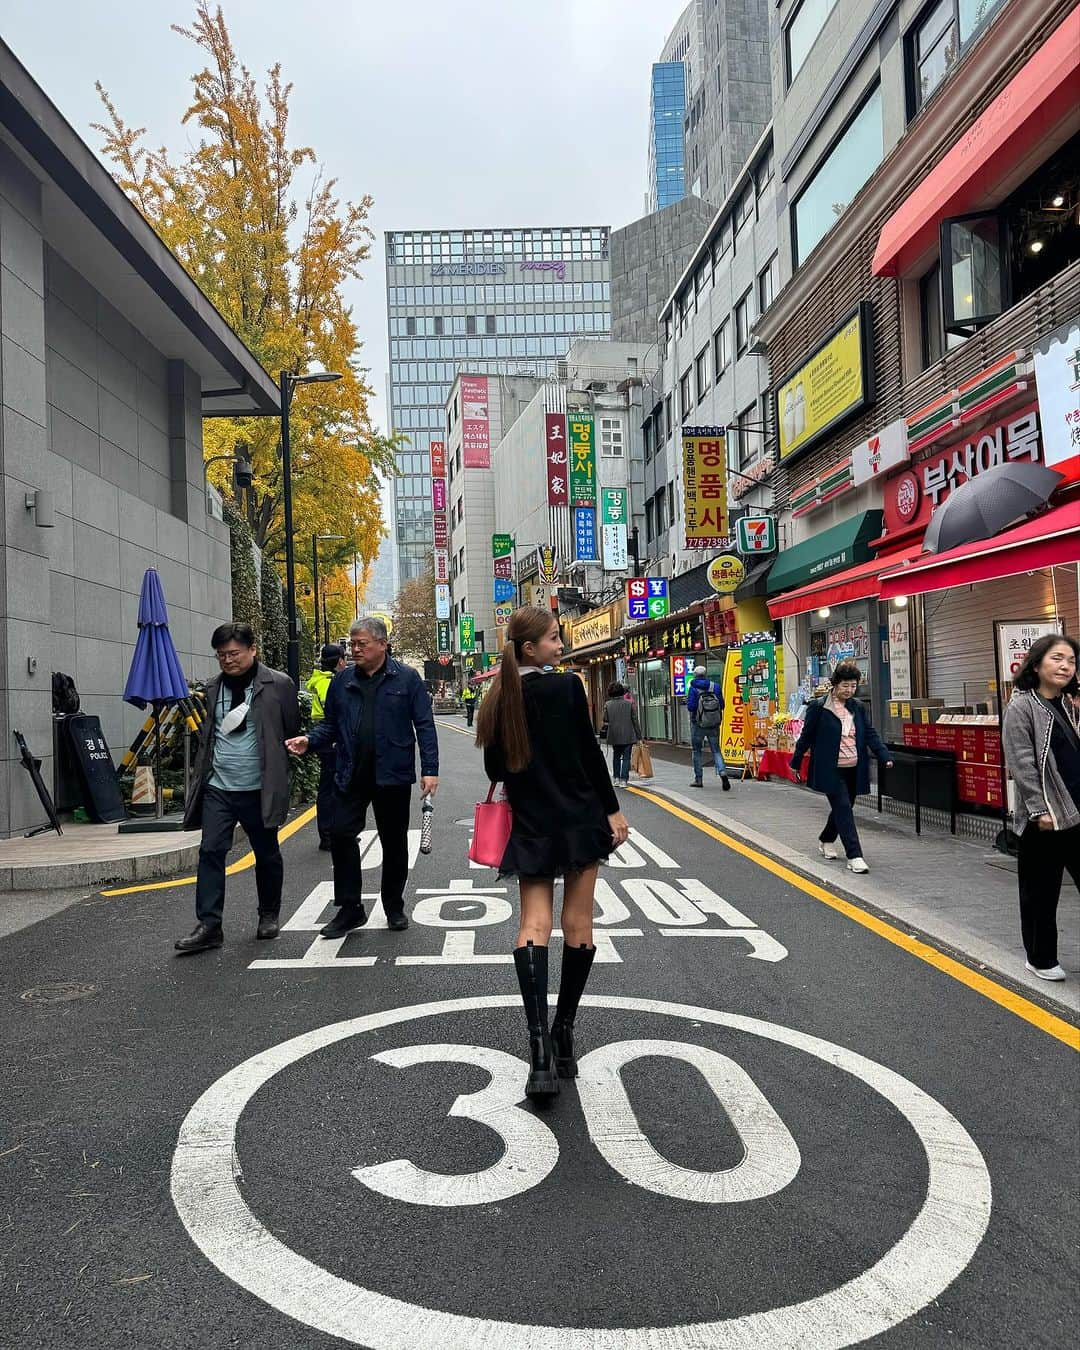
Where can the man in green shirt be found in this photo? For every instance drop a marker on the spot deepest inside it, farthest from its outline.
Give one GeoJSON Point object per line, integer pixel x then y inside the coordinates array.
{"type": "Point", "coordinates": [331, 662]}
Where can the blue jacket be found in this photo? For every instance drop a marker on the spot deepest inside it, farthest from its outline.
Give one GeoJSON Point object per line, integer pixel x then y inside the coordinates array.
{"type": "Point", "coordinates": [402, 704]}
{"type": "Point", "coordinates": [698, 685]}
{"type": "Point", "coordinates": [821, 736]}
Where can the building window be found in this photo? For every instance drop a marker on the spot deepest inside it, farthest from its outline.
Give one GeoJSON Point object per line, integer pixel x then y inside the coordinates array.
{"type": "Point", "coordinates": [722, 347]}
{"type": "Point", "coordinates": [768, 284]}
{"type": "Point", "coordinates": [489, 323]}
{"type": "Point", "coordinates": [438, 325]}
{"type": "Point", "coordinates": [838, 177]}
{"type": "Point", "coordinates": [701, 373]}
{"type": "Point", "coordinates": [650, 521]}
{"type": "Point", "coordinates": [763, 173]}
{"type": "Point", "coordinates": [722, 242]}
{"type": "Point", "coordinates": [669, 421]}
{"type": "Point", "coordinates": [470, 325]}
{"type": "Point", "coordinates": [684, 396]}
{"type": "Point", "coordinates": [935, 41]}
{"type": "Point", "coordinates": [647, 442]}
{"type": "Point", "coordinates": [802, 31]}
{"type": "Point", "coordinates": [749, 438]}
{"type": "Point", "coordinates": [743, 212]}
{"type": "Point", "coordinates": [410, 327]}
{"type": "Point", "coordinates": [744, 317]}
{"type": "Point", "coordinates": [611, 437]}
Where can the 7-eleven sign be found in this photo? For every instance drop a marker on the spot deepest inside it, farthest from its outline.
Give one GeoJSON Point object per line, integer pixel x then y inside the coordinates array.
{"type": "Point", "coordinates": [755, 534]}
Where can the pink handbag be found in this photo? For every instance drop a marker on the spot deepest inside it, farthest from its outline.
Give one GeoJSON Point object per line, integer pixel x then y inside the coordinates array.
{"type": "Point", "coordinates": [491, 830]}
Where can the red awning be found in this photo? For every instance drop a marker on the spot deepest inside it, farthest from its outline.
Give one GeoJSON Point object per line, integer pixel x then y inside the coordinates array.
{"type": "Point", "coordinates": [1027, 110]}
{"type": "Point", "coordinates": [857, 583]}
{"type": "Point", "coordinates": [1046, 541]}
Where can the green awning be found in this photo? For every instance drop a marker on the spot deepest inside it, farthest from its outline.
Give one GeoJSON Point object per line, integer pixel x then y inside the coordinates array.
{"type": "Point", "coordinates": [840, 546]}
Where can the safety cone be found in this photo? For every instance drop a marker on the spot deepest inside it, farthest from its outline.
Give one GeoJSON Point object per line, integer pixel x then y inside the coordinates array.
{"type": "Point", "coordinates": [144, 792]}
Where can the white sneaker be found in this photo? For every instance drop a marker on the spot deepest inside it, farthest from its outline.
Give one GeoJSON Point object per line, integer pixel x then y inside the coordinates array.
{"type": "Point", "coordinates": [828, 851]}
{"type": "Point", "coordinates": [1051, 973]}
{"type": "Point", "coordinates": [857, 865]}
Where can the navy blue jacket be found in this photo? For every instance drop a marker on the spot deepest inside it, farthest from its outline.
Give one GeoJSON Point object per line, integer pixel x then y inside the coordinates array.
{"type": "Point", "coordinates": [698, 686]}
{"type": "Point", "coordinates": [401, 704]}
{"type": "Point", "coordinates": [821, 736]}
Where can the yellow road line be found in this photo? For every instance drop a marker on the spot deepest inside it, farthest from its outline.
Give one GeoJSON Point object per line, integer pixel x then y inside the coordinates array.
{"type": "Point", "coordinates": [461, 731]}
{"type": "Point", "coordinates": [981, 984]}
{"type": "Point", "coordinates": [241, 864]}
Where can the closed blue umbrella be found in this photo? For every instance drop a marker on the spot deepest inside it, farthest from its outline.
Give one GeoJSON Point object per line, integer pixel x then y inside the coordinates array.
{"type": "Point", "coordinates": [155, 678]}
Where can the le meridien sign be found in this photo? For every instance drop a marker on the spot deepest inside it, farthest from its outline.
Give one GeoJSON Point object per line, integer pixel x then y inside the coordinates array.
{"type": "Point", "coordinates": [493, 269]}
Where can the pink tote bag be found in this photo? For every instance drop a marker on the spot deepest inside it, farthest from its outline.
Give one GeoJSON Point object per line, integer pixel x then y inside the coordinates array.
{"type": "Point", "coordinates": [491, 830]}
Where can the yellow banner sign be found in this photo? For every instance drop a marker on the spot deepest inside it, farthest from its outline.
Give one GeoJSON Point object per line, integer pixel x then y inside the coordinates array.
{"type": "Point", "coordinates": [725, 573]}
{"type": "Point", "coordinates": [593, 628]}
{"type": "Point", "coordinates": [705, 487]}
{"type": "Point", "coordinates": [832, 384]}
{"type": "Point", "coordinates": [733, 724]}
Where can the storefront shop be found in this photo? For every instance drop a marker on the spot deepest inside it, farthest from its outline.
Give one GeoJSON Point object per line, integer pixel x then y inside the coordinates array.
{"type": "Point", "coordinates": [594, 652]}
{"type": "Point", "coordinates": [660, 660]}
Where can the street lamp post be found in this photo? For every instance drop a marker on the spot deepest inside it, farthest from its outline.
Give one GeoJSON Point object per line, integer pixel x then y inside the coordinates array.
{"type": "Point", "coordinates": [316, 539]}
{"type": "Point", "coordinates": [287, 383]}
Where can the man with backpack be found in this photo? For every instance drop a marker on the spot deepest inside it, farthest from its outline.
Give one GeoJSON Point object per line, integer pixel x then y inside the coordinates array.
{"type": "Point", "coordinates": [705, 704]}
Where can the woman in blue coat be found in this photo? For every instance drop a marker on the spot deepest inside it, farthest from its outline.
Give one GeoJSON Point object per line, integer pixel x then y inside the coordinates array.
{"type": "Point", "coordinates": [840, 737]}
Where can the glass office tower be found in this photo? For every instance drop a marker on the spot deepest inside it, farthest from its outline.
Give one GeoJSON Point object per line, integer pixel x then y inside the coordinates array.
{"type": "Point", "coordinates": [488, 302]}
{"type": "Point", "coordinates": [667, 160]}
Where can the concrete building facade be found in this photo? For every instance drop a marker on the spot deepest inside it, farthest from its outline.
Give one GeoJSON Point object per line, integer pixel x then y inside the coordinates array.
{"type": "Point", "coordinates": [647, 258]}
{"type": "Point", "coordinates": [110, 358]}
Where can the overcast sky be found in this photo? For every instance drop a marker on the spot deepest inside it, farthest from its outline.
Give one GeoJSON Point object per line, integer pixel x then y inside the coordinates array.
{"type": "Point", "coordinates": [448, 112]}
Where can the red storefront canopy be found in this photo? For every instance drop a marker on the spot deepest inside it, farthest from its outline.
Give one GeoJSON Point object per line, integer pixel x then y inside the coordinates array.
{"type": "Point", "coordinates": [1046, 541]}
{"type": "Point", "coordinates": [857, 583]}
{"type": "Point", "coordinates": [1026, 112]}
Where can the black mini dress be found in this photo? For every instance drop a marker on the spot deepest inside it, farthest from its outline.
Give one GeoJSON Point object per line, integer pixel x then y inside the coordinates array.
{"type": "Point", "coordinates": [562, 799]}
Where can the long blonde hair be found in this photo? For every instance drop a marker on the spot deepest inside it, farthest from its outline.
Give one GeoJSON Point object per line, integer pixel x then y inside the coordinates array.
{"type": "Point", "coordinates": [501, 719]}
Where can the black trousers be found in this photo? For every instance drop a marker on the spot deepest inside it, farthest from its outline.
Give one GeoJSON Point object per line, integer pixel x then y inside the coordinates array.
{"type": "Point", "coordinates": [470, 711]}
{"type": "Point", "coordinates": [391, 806]}
{"type": "Point", "coordinates": [324, 800]}
{"type": "Point", "coordinates": [841, 822]}
{"type": "Point", "coordinates": [222, 812]}
{"type": "Point", "coordinates": [1043, 859]}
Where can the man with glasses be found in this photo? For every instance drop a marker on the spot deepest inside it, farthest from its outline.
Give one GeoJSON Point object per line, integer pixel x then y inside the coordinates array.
{"type": "Point", "coordinates": [241, 776]}
{"type": "Point", "coordinates": [375, 714]}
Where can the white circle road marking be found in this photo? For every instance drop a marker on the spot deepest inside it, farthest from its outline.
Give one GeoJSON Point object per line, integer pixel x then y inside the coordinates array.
{"type": "Point", "coordinates": [933, 1251]}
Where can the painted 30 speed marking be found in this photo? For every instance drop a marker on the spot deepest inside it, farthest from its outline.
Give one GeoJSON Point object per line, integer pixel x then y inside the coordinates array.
{"type": "Point", "coordinates": [935, 1249]}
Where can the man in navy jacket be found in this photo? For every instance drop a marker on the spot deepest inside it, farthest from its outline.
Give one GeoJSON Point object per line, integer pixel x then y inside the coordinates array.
{"type": "Point", "coordinates": [375, 713]}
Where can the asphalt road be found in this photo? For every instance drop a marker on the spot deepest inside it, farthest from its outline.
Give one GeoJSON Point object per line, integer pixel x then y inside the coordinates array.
{"type": "Point", "coordinates": [788, 1130]}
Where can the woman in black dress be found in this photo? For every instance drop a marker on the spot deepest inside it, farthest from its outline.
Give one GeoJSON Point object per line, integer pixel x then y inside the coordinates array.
{"type": "Point", "coordinates": [538, 741]}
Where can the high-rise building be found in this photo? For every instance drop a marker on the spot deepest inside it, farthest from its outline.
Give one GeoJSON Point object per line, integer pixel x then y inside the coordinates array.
{"type": "Point", "coordinates": [673, 78]}
{"type": "Point", "coordinates": [491, 301]}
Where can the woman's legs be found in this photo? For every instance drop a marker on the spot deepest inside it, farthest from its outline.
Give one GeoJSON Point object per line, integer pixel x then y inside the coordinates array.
{"type": "Point", "coordinates": [1040, 868]}
{"type": "Point", "coordinates": [579, 890]}
{"type": "Point", "coordinates": [578, 953]}
{"type": "Point", "coordinates": [531, 963]}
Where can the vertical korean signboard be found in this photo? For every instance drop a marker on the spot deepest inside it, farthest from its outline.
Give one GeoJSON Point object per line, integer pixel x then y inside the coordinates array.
{"type": "Point", "coordinates": [439, 527]}
{"type": "Point", "coordinates": [558, 459]}
{"type": "Point", "coordinates": [466, 633]}
{"type": "Point", "coordinates": [613, 513]}
{"type": "Point", "coordinates": [705, 487]}
{"type": "Point", "coordinates": [475, 428]}
{"type": "Point", "coordinates": [582, 461]}
{"type": "Point", "coordinates": [585, 534]}
{"type": "Point", "coordinates": [502, 568]}
{"type": "Point", "coordinates": [442, 636]}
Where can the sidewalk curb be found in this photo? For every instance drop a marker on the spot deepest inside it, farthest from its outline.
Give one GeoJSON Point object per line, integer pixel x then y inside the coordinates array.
{"type": "Point", "coordinates": [64, 876]}
{"type": "Point", "coordinates": [827, 879]}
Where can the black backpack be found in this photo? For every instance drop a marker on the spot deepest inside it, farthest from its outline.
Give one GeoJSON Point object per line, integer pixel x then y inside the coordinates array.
{"type": "Point", "coordinates": [65, 697]}
{"type": "Point", "coordinates": [710, 711]}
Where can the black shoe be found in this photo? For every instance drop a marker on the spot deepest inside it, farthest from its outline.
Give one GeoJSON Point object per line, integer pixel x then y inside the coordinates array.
{"type": "Point", "coordinates": [268, 927]}
{"type": "Point", "coordinates": [577, 962]}
{"type": "Point", "coordinates": [202, 938]}
{"type": "Point", "coordinates": [344, 921]}
{"type": "Point", "coordinates": [725, 782]}
{"type": "Point", "coordinates": [397, 923]}
{"type": "Point", "coordinates": [697, 783]}
{"type": "Point", "coordinates": [532, 972]}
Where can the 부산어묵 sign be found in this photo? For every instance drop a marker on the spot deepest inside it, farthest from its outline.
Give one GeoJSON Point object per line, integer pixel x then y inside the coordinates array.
{"type": "Point", "coordinates": [835, 382]}
{"type": "Point", "coordinates": [582, 461]}
{"type": "Point", "coordinates": [704, 452]}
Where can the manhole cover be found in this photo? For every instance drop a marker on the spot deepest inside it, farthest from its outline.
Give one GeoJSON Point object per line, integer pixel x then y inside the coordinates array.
{"type": "Point", "coordinates": [63, 992]}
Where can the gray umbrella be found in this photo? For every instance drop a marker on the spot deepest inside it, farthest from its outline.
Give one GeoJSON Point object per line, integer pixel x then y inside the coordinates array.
{"type": "Point", "coordinates": [987, 503]}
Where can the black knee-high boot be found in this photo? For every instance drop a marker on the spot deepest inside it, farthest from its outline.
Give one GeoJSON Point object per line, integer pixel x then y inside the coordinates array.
{"type": "Point", "coordinates": [576, 964]}
{"type": "Point", "coordinates": [531, 963]}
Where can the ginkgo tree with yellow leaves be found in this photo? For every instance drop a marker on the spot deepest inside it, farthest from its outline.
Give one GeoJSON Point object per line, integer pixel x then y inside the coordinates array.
{"type": "Point", "coordinates": [263, 231]}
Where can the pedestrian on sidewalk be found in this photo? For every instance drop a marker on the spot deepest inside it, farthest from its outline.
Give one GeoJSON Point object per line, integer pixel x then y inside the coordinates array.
{"type": "Point", "coordinates": [331, 662]}
{"type": "Point", "coordinates": [468, 698]}
{"type": "Point", "coordinates": [840, 737]}
{"type": "Point", "coordinates": [538, 741]}
{"type": "Point", "coordinates": [1041, 739]}
{"type": "Point", "coordinates": [705, 706]}
{"type": "Point", "coordinates": [241, 775]}
{"type": "Point", "coordinates": [622, 731]}
{"type": "Point", "coordinates": [375, 713]}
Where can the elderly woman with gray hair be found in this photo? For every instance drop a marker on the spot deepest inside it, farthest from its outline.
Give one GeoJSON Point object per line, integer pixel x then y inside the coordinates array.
{"type": "Point", "coordinates": [375, 713]}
